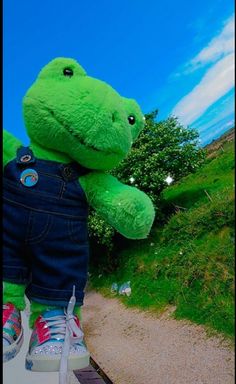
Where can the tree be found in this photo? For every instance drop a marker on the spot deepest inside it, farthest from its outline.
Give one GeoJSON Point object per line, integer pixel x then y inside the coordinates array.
{"type": "Point", "coordinates": [163, 149]}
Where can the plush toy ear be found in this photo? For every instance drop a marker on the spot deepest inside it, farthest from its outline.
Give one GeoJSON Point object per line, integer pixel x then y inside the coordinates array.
{"type": "Point", "coordinates": [61, 68]}
{"type": "Point", "coordinates": [135, 117]}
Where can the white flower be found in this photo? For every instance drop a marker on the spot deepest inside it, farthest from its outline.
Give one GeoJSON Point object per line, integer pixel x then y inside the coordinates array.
{"type": "Point", "coordinates": [169, 180]}
{"type": "Point", "coordinates": [131, 179]}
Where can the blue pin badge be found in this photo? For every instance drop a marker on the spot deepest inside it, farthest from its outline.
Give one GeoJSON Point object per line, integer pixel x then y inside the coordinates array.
{"type": "Point", "coordinates": [29, 177]}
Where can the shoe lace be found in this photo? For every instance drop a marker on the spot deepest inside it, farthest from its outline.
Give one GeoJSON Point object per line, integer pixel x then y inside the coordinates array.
{"type": "Point", "coordinates": [65, 327]}
{"type": "Point", "coordinates": [5, 306]}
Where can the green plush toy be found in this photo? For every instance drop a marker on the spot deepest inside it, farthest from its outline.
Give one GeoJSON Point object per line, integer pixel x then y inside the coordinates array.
{"type": "Point", "coordinates": [79, 128]}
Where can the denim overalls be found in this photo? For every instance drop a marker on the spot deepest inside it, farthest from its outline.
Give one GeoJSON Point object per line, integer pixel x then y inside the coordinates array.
{"type": "Point", "coordinates": [45, 239]}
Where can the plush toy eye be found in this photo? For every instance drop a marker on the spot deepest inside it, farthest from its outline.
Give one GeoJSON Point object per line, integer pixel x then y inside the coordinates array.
{"type": "Point", "coordinates": [68, 72]}
{"type": "Point", "coordinates": [131, 120]}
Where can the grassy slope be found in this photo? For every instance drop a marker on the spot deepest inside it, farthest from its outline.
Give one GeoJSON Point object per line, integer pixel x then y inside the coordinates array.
{"type": "Point", "coordinates": [189, 262]}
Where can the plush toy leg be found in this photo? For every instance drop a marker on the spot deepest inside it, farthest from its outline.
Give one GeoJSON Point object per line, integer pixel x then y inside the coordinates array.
{"type": "Point", "coordinates": [14, 293]}
{"type": "Point", "coordinates": [37, 308]}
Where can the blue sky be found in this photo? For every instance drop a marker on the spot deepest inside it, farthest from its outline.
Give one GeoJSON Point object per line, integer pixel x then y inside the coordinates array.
{"type": "Point", "coordinates": [177, 56]}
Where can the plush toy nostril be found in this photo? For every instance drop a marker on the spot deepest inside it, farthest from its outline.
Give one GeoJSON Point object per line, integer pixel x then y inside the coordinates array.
{"type": "Point", "coordinates": [115, 116]}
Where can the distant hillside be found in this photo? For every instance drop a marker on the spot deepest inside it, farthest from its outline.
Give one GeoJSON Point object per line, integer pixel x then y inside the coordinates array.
{"type": "Point", "coordinates": [216, 144]}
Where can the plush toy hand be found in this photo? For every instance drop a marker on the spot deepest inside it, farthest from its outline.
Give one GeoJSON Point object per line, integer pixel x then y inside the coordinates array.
{"type": "Point", "coordinates": [126, 208]}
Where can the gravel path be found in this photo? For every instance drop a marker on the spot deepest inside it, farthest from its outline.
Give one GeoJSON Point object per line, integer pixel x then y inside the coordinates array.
{"type": "Point", "coordinates": [134, 347]}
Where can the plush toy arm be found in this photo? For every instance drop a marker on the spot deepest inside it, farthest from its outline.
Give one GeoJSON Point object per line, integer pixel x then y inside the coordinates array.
{"type": "Point", "coordinates": [126, 208]}
{"type": "Point", "coordinates": [10, 145]}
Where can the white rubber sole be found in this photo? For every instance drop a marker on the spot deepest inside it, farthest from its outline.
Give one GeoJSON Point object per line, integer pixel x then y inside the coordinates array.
{"type": "Point", "coordinates": [39, 363]}
{"type": "Point", "coordinates": [12, 350]}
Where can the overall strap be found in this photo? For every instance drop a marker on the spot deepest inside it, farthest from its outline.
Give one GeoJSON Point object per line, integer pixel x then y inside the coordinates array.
{"type": "Point", "coordinates": [69, 172]}
{"type": "Point", "coordinates": [24, 156]}
{"type": "Point", "coordinates": [72, 171]}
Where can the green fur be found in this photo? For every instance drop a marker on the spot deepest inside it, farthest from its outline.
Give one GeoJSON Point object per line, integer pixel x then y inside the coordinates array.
{"type": "Point", "coordinates": [83, 119]}
{"type": "Point", "coordinates": [79, 116]}
{"type": "Point", "coordinates": [10, 145]}
{"type": "Point", "coordinates": [126, 208]}
{"type": "Point", "coordinates": [37, 308]}
{"type": "Point", "coordinates": [14, 293]}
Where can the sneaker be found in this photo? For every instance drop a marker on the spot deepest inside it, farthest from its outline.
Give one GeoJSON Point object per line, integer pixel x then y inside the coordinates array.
{"type": "Point", "coordinates": [53, 333]}
{"type": "Point", "coordinates": [12, 331]}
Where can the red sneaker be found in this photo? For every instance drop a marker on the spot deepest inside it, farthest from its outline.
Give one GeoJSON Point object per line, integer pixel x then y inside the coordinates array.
{"type": "Point", "coordinates": [12, 331]}
{"type": "Point", "coordinates": [48, 339]}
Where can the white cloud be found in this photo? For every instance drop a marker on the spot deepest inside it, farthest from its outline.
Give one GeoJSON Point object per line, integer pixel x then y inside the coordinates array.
{"type": "Point", "coordinates": [222, 110]}
{"type": "Point", "coordinates": [230, 123]}
{"type": "Point", "coordinates": [218, 47]}
{"type": "Point", "coordinates": [217, 131]}
{"type": "Point", "coordinates": [210, 126]}
{"type": "Point", "coordinates": [217, 81]}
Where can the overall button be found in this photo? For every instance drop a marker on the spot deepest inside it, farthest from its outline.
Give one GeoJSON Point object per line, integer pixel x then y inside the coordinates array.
{"type": "Point", "coordinates": [25, 158]}
{"type": "Point", "coordinates": [29, 177]}
{"type": "Point", "coordinates": [67, 171]}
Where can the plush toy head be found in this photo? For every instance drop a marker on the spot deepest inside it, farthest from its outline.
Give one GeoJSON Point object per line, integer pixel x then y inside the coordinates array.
{"type": "Point", "coordinates": [67, 111]}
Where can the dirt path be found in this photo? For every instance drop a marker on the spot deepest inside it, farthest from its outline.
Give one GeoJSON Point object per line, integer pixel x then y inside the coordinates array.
{"type": "Point", "coordinates": [133, 347]}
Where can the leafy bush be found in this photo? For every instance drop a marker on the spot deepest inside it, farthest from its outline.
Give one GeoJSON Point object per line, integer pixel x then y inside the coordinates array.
{"type": "Point", "coordinates": [163, 149]}
{"type": "Point", "coordinates": [99, 230]}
